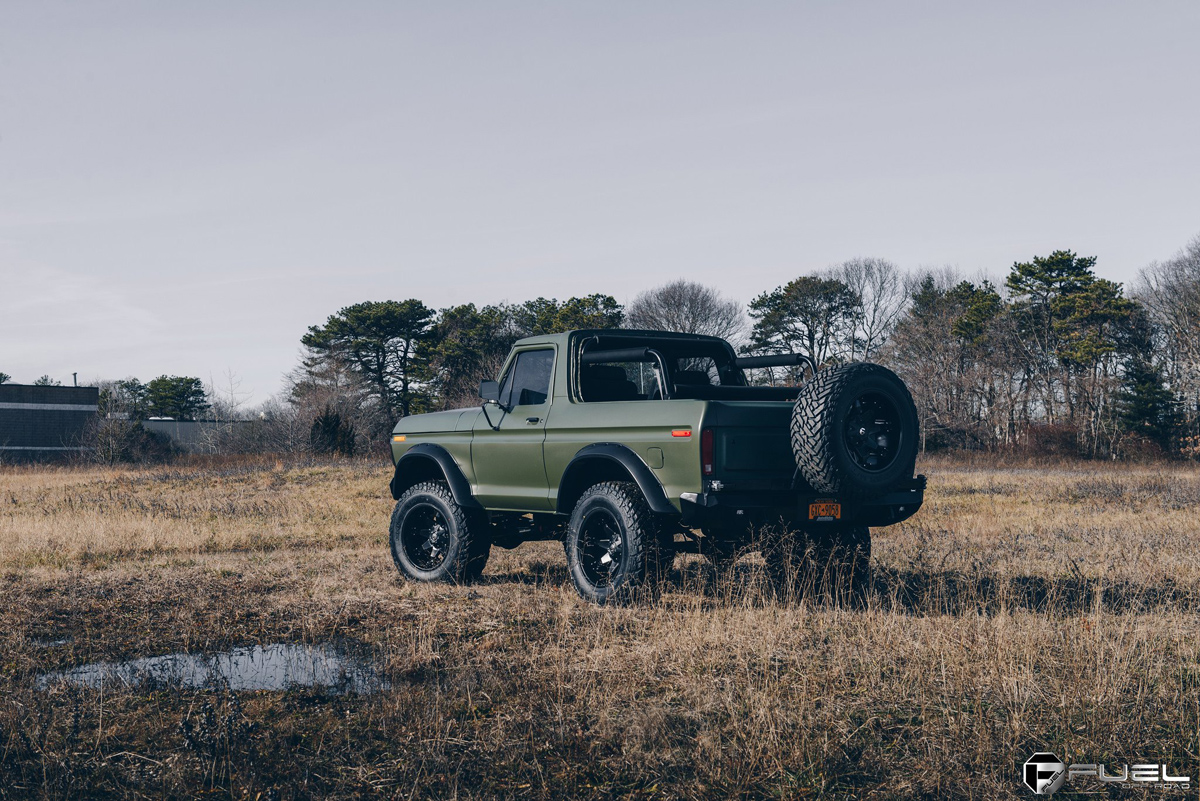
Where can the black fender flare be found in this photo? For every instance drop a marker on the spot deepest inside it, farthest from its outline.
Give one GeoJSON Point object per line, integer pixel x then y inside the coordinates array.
{"type": "Point", "coordinates": [612, 453]}
{"type": "Point", "coordinates": [420, 460]}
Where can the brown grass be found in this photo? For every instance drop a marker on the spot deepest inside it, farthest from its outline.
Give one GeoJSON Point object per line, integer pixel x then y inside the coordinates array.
{"type": "Point", "coordinates": [1025, 607]}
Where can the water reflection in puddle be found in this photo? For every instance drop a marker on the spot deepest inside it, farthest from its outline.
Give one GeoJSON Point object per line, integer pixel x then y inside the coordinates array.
{"type": "Point", "coordinates": [44, 642]}
{"type": "Point", "coordinates": [257, 667]}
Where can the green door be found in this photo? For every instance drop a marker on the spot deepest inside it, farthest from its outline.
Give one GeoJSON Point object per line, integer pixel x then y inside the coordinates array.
{"type": "Point", "coordinates": [509, 464]}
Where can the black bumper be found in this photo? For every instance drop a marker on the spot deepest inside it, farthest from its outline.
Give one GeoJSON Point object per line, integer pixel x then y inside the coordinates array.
{"type": "Point", "coordinates": [731, 508]}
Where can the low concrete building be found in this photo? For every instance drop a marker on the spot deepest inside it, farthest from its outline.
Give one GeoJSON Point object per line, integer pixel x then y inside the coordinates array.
{"type": "Point", "coordinates": [40, 423]}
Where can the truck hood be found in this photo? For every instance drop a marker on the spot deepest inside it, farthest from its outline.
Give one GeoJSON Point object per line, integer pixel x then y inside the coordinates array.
{"type": "Point", "coordinates": [431, 423]}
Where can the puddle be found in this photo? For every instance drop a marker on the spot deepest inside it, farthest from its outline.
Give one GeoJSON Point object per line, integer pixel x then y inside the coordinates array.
{"type": "Point", "coordinates": [39, 642]}
{"type": "Point", "coordinates": [256, 667]}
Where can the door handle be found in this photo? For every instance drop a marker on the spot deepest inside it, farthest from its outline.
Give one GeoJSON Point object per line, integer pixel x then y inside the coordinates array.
{"type": "Point", "coordinates": [532, 420]}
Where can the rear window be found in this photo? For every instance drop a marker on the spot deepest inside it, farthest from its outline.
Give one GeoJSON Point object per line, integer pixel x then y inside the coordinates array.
{"type": "Point", "coordinates": [627, 381]}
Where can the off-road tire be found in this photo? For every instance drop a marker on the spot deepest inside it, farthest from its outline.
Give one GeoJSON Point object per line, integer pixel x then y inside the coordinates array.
{"type": "Point", "coordinates": [820, 420]}
{"type": "Point", "coordinates": [466, 530]}
{"type": "Point", "coordinates": [644, 556]}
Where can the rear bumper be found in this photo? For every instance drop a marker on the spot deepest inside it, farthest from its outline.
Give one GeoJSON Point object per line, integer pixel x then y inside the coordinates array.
{"type": "Point", "coordinates": [742, 508]}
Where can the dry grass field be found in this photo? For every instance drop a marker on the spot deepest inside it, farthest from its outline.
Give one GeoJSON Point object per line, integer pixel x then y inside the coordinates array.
{"type": "Point", "coordinates": [1024, 608]}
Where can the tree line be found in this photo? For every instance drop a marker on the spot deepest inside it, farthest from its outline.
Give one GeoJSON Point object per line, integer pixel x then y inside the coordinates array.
{"type": "Point", "coordinates": [168, 396]}
{"type": "Point", "coordinates": [375, 362]}
{"type": "Point", "coordinates": [1049, 357]}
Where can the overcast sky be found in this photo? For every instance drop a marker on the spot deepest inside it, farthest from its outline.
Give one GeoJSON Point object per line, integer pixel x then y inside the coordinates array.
{"type": "Point", "coordinates": [185, 187]}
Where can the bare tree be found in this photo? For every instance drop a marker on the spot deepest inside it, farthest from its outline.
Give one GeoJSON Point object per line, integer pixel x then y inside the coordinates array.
{"type": "Point", "coordinates": [225, 409]}
{"type": "Point", "coordinates": [882, 294]}
{"type": "Point", "coordinates": [278, 425]}
{"type": "Point", "coordinates": [1170, 291]}
{"type": "Point", "coordinates": [333, 384]}
{"type": "Point", "coordinates": [227, 400]}
{"type": "Point", "coordinates": [687, 307]}
{"type": "Point", "coordinates": [115, 434]}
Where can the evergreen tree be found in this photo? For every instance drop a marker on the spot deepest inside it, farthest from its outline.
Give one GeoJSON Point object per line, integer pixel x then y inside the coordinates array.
{"type": "Point", "coordinates": [548, 316]}
{"type": "Point", "coordinates": [468, 346]}
{"type": "Point", "coordinates": [1146, 407]}
{"type": "Point", "coordinates": [1071, 326]}
{"type": "Point", "coordinates": [384, 342]}
{"type": "Point", "coordinates": [177, 397]}
{"type": "Point", "coordinates": [811, 315]}
{"type": "Point", "coordinates": [128, 397]}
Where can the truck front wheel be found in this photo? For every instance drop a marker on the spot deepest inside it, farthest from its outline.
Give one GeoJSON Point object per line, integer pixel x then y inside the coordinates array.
{"type": "Point", "coordinates": [614, 543]}
{"type": "Point", "coordinates": [435, 539]}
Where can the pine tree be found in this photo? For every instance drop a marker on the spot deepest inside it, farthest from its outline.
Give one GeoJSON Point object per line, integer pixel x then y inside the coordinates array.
{"type": "Point", "coordinates": [1146, 407]}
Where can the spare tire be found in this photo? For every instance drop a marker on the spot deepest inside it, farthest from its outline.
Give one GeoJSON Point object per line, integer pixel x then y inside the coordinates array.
{"type": "Point", "coordinates": [854, 430]}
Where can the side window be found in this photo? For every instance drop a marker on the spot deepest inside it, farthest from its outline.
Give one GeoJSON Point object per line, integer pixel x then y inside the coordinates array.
{"type": "Point", "coordinates": [619, 381]}
{"type": "Point", "coordinates": [527, 382]}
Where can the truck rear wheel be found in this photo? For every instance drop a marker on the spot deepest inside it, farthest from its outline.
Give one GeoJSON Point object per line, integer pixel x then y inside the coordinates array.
{"type": "Point", "coordinates": [854, 430]}
{"type": "Point", "coordinates": [433, 538]}
{"type": "Point", "coordinates": [614, 545]}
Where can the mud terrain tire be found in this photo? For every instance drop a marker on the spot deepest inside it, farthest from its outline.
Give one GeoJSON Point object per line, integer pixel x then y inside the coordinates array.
{"type": "Point", "coordinates": [854, 430]}
{"type": "Point", "coordinates": [435, 539]}
{"type": "Point", "coordinates": [613, 520]}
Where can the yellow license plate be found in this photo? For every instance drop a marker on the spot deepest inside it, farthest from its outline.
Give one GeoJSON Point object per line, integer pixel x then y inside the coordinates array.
{"type": "Point", "coordinates": [825, 510]}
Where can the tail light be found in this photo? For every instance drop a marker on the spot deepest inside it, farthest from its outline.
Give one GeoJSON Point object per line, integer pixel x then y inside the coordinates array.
{"type": "Point", "coordinates": [706, 451]}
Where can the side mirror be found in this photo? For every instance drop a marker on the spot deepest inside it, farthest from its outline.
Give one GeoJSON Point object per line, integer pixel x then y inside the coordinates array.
{"type": "Point", "coordinates": [489, 391]}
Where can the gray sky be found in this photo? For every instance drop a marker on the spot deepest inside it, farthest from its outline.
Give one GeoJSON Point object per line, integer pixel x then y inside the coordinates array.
{"type": "Point", "coordinates": [185, 187]}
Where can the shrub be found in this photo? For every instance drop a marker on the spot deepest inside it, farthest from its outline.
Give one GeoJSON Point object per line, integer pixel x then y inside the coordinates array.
{"type": "Point", "coordinates": [331, 434]}
{"type": "Point", "coordinates": [113, 440]}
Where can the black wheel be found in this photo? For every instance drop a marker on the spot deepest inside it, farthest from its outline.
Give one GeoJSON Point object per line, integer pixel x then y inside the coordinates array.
{"type": "Point", "coordinates": [854, 430]}
{"type": "Point", "coordinates": [614, 544]}
{"type": "Point", "coordinates": [435, 539]}
{"type": "Point", "coordinates": [833, 563]}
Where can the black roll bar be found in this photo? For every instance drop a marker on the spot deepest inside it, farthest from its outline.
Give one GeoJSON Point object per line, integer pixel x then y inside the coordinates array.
{"type": "Point", "coordinates": [776, 360]}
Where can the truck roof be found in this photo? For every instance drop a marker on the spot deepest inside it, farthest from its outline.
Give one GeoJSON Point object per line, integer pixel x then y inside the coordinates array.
{"type": "Point", "coordinates": [614, 333]}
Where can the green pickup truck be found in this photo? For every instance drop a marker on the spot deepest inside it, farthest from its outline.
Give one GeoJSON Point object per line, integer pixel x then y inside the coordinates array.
{"type": "Point", "coordinates": [633, 446]}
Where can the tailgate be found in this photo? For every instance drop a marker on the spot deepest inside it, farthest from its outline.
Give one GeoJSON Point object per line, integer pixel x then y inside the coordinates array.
{"type": "Point", "coordinates": [751, 442]}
